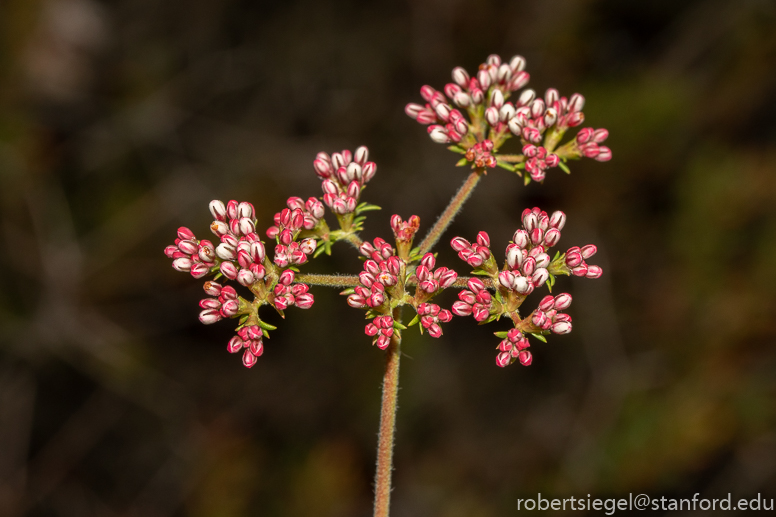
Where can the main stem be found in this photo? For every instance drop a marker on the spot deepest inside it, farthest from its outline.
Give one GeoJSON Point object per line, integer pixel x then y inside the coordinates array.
{"type": "Point", "coordinates": [387, 424]}
{"type": "Point", "coordinates": [450, 212]}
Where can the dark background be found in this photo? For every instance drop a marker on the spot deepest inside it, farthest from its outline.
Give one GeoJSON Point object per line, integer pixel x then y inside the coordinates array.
{"type": "Point", "coordinates": [121, 119]}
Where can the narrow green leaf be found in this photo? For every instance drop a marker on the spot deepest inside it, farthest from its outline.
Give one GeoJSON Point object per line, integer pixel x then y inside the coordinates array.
{"type": "Point", "coordinates": [366, 207]}
{"type": "Point", "coordinates": [319, 250]}
{"type": "Point", "coordinates": [462, 162]}
{"type": "Point", "coordinates": [457, 149]}
{"type": "Point", "coordinates": [507, 166]}
{"type": "Point", "coordinates": [539, 337]}
{"type": "Point", "coordinates": [267, 326]}
{"type": "Point", "coordinates": [414, 321]}
{"type": "Point", "coordinates": [564, 167]}
{"type": "Point", "coordinates": [501, 335]}
{"type": "Point", "coordinates": [348, 291]}
{"type": "Point", "coordinates": [398, 325]}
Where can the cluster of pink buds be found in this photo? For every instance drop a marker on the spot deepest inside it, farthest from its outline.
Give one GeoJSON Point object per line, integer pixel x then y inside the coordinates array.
{"type": "Point", "coordinates": [538, 161]}
{"type": "Point", "coordinates": [430, 317]}
{"type": "Point", "coordinates": [224, 303]}
{"type": "Point", "coordinates": [446, 123]}
{"type": "Point", "coordinates": [431, 281]}
{"type": "Point", "coordinates": [374, 279]}
{"type": "Point", "coordinates": [344, 174]}
{"type": "Point", "coordinates": [404, 231]}
{"type": "Point", "coordinates": [575, 260]}
{"type": "Point", "coordinates": [241, 250]}
{"type": "Point", "coordinates": [527, 267]}
{"type": "Point", "coordinates": [191, 255]}
{"type": "Point", "coordinates": [475, 254]}
{"type": "Point", "coordinates": [549, 317]}
{"type": "Point", "coordinates": [295, 253]}
{"type": "Point", "coordinates": [380, 251]}
{"type": "Point", "coordinates": [249, 338]}
{"type": "Point", "coordinates": [287, 293]}
{"type": "Point", "coordinates": [587, 141]}
{"type": "Point", "coordinates": [480, 155]}
{"type": "Point", "coordinates": [475, 301]}
{"type": "Point", "coordinates": [381, 329]}
{"type": "Point", "coordinates": [513, 347]}
{"type": "Point", "coordinates": [299, 215]}
{"type": "Point", "coordinates": [533, 117]}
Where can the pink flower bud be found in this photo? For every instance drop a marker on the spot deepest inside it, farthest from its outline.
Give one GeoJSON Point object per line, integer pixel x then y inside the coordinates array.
{"type": "Point", "coordinates": [447, 278]}
{"type": "Point", "coordinates": [256, 347]}
{"type": "Point", "coordinates": [209, 316]}
{"type": "Point", "coordinates": [248, 359]}
{"type": "Point", "coordinates": [356, 301]}
{"type": "Point", "coordinates": [573, 259]}
{"type": "Point", "coordinates": [539, 318]}
{"type": "Point", "coordinates": [438, 134]}
{"type": "Point", "coordinates": [462, 309]}
{"type": "Point", "coordinates": [230, 308]}
{"type": "Point", "coordinates": [459, 243]}
{"type": "Point", "coordinates": [536, 235]}
{"type": "Point", "coordinates": [600, 135]}
{"type": "Point", "coordinates": [286, 277]}
{"type": "Point", "coordinates": [584, 135]}
{"type": "Point", "coordinates": [562, 327]}
{"type": "Point", "coordinates": [580, 270]}
{"type": "Point", "coordinates": [480, 313]}
{"type": "Point", "coordinates": [574, 119]}
{"type": "Point", "coordinates": [529, 264]}
{"type": "Point", "coordinates": [199, 270]}
{"type": "Point", "coordinates": [576, 103]}
{"type": "Point", "coordinates": [376, 299]}
{"type": "Point", "coordinates": [514, 256]}
{"type": "Point", "coordinates": [235, 345]}
{"type": "Point", "coordinates": [503, 359]}
{"type": "Point", "coordinates": [518, 80]}
{"type": "Point", "coordinates": [522, 285]}
{"type": "Point", "coordinates": [525, 358]}
{"type": "Point", "coordinates": [305, 301]}
{"type": "Point", "coordinates": [245, 277]}
{"type": "Point", "coordinates": [604, 154]}
{"type": "Point", "coordinates": [547, 303]}
{"type": "Point", "coordinates": [507, 279]}
{"type": "Point", "coordinates": [588, 251]}
{"type": "Point", "coordinates": [231, 209]}
{"type": "Point", "coordinates": [594, 271]}
{"type": "Point", "coordinates": [383, 342]}
{"type": "Point", "coordinates": [182, 264]}
{"type": "Point", "coordinates": [212, 288]}
{"type": "Point", "coordinates": [245, 209]}
{"type": "Point", "coordinates": [483, 239]}
{"type": "Point", "coordinates": [218, 210]}
{"type": "Point", "coordinates": [539, 277]}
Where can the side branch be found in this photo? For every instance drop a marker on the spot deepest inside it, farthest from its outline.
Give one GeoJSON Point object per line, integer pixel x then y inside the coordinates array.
{"type": "Point", "coordinates": [352, 281]}
{"type": "Point", "coordinates": [450, 212]}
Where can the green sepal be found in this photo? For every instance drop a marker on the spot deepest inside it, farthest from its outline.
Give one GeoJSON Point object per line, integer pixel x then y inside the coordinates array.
{"type": "Point", "coordinates": [219, 275]}
{"type": "Point", "coordinates": [557, 254]}
{"type": "Point", "coordinates": [501, 335]}
{"type": "Point", "coordinates": [550, 281]}
{"type": "Point", "coordinates": [366, 207]}
{"type": "Point", "coordinates": [327, 246]}
{"type": "Point", "coordinates": [398, 325]}
{"type": "Point", "coordinates": [242, 321]}
{"type": "Point", "coordinates": [319, 250]}
{"type": "Point", "coordinates": [414, 321]}
{"type": "Point", "coordinates": [358, 220]}
{"type": "Point", "coordinates": [462, 162]}
{"type": "Point", "coordinates": [282, 314]}
{"type": "Point", "coordinates": [499, 297]}
{"type": "Point", "coordinates": [480, 272]}
{"type": "Point", "coordinates": [348, 291]}
{"type": "Point", "coordinates": [504, 165]}
{"type": "Point", "coordinates": [491, 318]}
{"type": "Point", "coordinates": [539, 337]}
{"type": "Point", "coordinates": [456, 149]}
{"type": "Point", "coordinates": [564, 167]}
{"type": "Point", "coordinates": [526, 180]}
{"type": "Point", "coordinates": [267, 326]}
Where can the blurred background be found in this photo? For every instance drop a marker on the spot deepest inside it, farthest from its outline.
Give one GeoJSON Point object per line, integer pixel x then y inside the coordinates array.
{"type": "Point", "coordinates": [121, 119]}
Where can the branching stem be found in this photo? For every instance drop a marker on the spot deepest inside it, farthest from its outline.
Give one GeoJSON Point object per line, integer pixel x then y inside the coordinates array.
{"type": "Point", "coordinates": [450, 212]}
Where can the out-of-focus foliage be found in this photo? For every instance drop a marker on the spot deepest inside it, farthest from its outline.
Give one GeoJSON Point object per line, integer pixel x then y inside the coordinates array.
{"type": "Point", "coordinates": [120, 120]}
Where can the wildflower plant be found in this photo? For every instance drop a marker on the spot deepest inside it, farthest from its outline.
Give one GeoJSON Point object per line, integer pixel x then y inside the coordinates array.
{"type": "Point", "coordinates": [476, 116]}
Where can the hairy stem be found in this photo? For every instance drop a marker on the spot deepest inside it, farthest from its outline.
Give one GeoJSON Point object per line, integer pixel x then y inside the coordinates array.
{"type": "Point", "coordinates": [450, 212]}
{"type": "Point", "coordinates": [353, 281]}
{"type": "Point", "coordinates": [354, 239]}
{"type": "Point", "coordinates": [387, 424]}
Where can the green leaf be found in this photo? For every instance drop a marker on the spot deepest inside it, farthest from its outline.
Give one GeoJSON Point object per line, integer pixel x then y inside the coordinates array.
{"type": "Point", "coordinates": [242, 321]}
{"type": "Point", "coordinates": [398, 325]}
{"type": "Point", "coordinates": [504, 165]}
{"type": "Point", "coordinates": [348, 291]}
{"type": "Point", "coordinates": [358, 220]}
{"type": "Point", "coordinates": [480, 272]}
{"type": "Point", "coordinates": [557, 254]}
{"type": "Point", "coordinates": [414, 321]}
{"type": "Point", "coordinates": [293, 268]}
{"type": "Point", "coordinates": [366, 207]}
{"type": "Point", "coordinates": [564, 167]}
{"type": "Point", "coordinates": [501, 335]}
{"type": "Point", "coordinates": [539, 337]}
{"type": "Point", "coordinates": [526, 180]}
{"type": "Point", "coordinates": [267, 326]}
{"type": "Point", "coordinates": [457, 149]}
{"type": "Point", "coordinates": [462, 162]}
{"type": "Point", "coordinates": [318, 251]}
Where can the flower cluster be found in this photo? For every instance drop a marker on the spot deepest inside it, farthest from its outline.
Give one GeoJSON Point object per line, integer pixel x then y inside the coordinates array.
{"type": "Point", "coordinates": [540, 123]}
{"type": "Point", "coordinates": [527, 267]}
{"type": "Point", "coordinates": [241, 256]}
{"type": "Point", "coordinates": [191, 255]}
{"type": "Point", "coordinates": [344, 174]}
{"type": "Point", "coordinates": [513, 347]}
{"type": "Point", "coordinates": [430, 317]}
{"type": "Point", "coordinates": [381, 328]}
